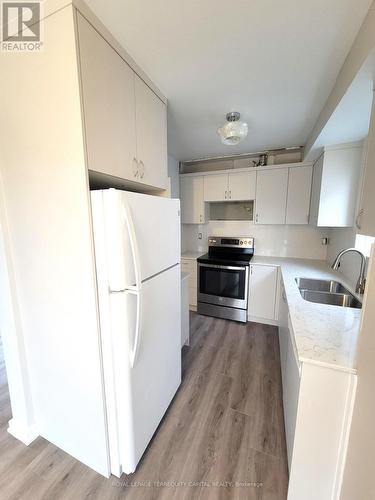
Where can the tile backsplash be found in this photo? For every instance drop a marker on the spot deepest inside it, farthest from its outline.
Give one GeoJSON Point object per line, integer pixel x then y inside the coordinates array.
{"type": "Point", "coordinates": [270, 240]}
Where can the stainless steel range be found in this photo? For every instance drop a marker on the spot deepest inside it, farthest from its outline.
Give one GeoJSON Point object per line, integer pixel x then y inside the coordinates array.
{"type": "Point", "coordinates": [223, 277]}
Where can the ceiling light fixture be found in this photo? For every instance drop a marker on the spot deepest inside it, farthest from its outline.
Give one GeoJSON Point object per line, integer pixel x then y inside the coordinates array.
{"type": "Point", "coordinates": [234, 131]}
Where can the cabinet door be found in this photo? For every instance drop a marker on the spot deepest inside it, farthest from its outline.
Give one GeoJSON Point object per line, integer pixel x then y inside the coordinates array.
{"type": "Point", "coordinates": [340, 185]}
{"type": "Point", "coordinates": [109, 105]}
{"type": "Point", "coordinates": [216, 187]}
{"type": "Point", "coordinates": [298, 201]}
{"type": "Point", "coordinates": [192, 203]}
{"type": "Point", "coordinates": [271, 191]}
{"type": "Point", "coordinates": [283, 330]}
{"type": "Point", "coordinates": [242, 186]}
{"type": "Point", "coordinates": [315, 190]}
{"type": "Point", "coordinates": [366, 218]}
{"type": "Point", "coordinates": [151, 127]}
{"type": "Point", "coordinates": [262, 298]}
{"type": "Point", "coordinates": [291, 385]}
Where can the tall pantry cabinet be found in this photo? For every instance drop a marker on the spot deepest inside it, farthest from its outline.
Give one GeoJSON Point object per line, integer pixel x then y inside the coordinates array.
{"type": "Point", "coordinates": [73, 107]}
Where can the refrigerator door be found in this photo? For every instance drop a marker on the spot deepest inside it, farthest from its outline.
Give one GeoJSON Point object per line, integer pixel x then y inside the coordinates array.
{"type": "Point", "coordinates": [145, 384]}
{"type": "Point", "coordinates": [143, 236]}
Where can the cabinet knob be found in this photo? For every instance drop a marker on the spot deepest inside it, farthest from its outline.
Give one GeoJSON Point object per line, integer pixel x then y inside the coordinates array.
{"type": "Point", "coordinates": [142, 172]}
{"type": "Point", "coordinates": [135, 167]}
{"type": "Point", "coordinates": [358, 219]}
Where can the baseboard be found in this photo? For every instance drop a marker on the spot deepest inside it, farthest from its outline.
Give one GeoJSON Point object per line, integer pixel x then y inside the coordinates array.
{"type": "Point", "coordinates": [25, 434]}
{"type": "Point", "coordinates": [264, 321]}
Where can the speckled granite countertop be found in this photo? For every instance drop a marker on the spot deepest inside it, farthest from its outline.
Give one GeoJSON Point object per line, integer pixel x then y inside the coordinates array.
{"type": "Point", "coordinates": [324, 334]}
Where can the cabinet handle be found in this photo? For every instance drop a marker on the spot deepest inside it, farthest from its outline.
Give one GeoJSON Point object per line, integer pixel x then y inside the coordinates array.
{"type": "Point", "coordinates": [230, 194]}
{"type": "Point", "coordinates": [142, 173]}
{"type": "Point", "coordinates": [256, 218]}
{"type": "Point", "coordinates": [226, 194]}
{"type": "Point", "coordinates": [201, 218]}
{"type": "Point", "coordinates": [135, 167]}
{"type": "Point", "coordinates": [358, 219]}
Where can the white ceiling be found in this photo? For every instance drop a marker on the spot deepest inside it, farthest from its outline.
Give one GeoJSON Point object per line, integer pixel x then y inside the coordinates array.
{"type": "Point", "coordinates": [274, 61]}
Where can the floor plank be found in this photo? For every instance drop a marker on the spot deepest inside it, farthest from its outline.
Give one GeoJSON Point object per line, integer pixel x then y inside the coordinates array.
{"type": "Point", "coordinates": [222, 437]}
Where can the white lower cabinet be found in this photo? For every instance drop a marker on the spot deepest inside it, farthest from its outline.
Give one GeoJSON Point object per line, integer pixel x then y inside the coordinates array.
{"type": "Point", "coordinates": [317, 412]}
{"type": "Point", "coordinates": [290, 369]}
{"type": "Point", "coordinates": [184, 310]}
{"type": "Point", "coordinates": [189, 265]}
{"type": "Point", "coordinates": [262, 292]}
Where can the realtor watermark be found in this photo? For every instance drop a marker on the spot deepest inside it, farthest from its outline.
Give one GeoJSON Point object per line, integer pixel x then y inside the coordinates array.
{"type": "Point", "coordinates": [21, 27]}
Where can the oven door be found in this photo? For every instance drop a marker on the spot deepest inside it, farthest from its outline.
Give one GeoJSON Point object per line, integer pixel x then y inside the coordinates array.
{"type": "Point", "coordinates": [223, 285]}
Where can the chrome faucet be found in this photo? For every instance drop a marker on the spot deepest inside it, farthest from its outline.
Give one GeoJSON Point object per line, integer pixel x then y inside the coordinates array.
{"type": "Point", "coordinates": [360, 288]}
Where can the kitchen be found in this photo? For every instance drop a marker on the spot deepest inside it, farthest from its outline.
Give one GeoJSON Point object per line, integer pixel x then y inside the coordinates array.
{"type": "Point", "coordinates": [110, 190]}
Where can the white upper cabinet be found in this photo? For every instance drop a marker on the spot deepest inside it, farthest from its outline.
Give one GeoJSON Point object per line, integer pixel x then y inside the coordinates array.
{"type": "Point", "coordinates": [281, 194]}
{"type": "Point", "coordinates": [109, 105]}
{"type": "Point", "coordinates": [335, 186]}
{"type": "Point", "coordinates": [216, 187]}
{"type": "Point", "coordinates": [242, 186]}
{"type": "Point", "coordinates": [192, 202]}
{"type": "Point", "coordinates": [151, 127]}
{"type": "Point", "coordinates": [271, 194]}
{"type": "Point", "coordinates": [298, 200]}
{"type": "Point", "coordinates": [236, 186]}
{"type": "Point", "coordinates": [365, 220]}
{"type": "Point", "coordinates": [125, 121]}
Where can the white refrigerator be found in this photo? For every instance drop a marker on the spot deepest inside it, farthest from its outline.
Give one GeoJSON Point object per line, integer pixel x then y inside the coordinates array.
{"type": "Point", "coordinates": [137, 252]}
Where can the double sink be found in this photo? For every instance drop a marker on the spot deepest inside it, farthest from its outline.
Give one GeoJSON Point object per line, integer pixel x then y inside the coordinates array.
{"type": "Point", "coordinates": [327, 292]}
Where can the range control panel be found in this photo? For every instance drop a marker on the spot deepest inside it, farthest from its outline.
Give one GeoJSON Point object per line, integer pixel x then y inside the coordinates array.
{"type": "Point", "coordinates": [235, 242]}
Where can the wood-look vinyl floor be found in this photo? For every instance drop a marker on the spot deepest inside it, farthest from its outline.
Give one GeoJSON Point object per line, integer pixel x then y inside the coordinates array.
{"type": "Point", "coordinates": [222, 437]}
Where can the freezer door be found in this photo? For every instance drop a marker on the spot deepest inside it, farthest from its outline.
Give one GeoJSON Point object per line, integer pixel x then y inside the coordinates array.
{"type": "Point", "coordinates": [143, 234]}
{"type": "Point", "coordinates": [145, 390]}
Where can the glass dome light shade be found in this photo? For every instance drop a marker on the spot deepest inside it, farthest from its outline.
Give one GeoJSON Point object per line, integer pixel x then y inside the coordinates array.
{"type": "Point", "coordinates": [233, 132]}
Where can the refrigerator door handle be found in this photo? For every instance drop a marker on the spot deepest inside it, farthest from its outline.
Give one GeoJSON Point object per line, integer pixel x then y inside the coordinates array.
{"type": "Point", "coordinates": [134, 248]}
{"type": "Point", "coordinates": [138, 328]}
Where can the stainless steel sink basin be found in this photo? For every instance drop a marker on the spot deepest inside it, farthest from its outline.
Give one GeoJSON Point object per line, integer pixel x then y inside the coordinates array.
{"type": "Point", "coordinates": [327, 292]}
{"type": "Point", "coordinates": [333, 299]}
{"type": "Point", "coordinates": [321, 285]}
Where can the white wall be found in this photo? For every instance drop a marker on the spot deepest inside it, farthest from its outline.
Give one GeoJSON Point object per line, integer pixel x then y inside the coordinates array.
{"type": "Point", "coordinates": [279, 241]}
{"type": "Point", "coordinates": [173, 174]}
{"type": "Point", "coordinates": [339, 239]}
{"type": "Point", "coordinates": [358, 480]}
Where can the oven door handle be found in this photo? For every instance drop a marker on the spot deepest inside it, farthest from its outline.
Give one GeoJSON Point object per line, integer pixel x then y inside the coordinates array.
{"type": "Point", "coordinates": [218, 266]}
